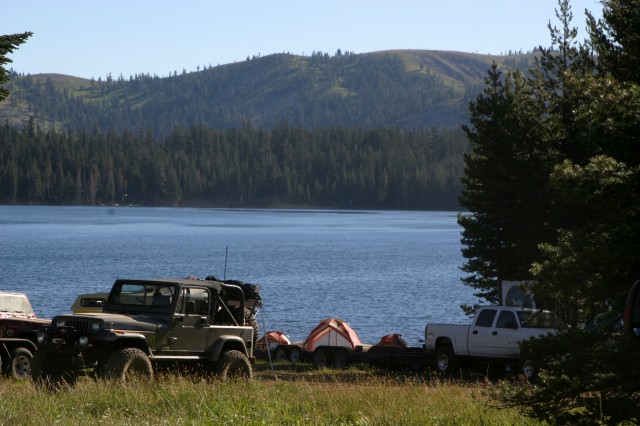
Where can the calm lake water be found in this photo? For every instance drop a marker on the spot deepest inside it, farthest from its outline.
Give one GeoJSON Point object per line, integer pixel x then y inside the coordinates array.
{"type": "Point", "coordinates": [381, 271]}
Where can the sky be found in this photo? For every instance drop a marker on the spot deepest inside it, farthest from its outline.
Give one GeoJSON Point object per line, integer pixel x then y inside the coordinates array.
{"type": "Point", "coordinates": [92, 39]}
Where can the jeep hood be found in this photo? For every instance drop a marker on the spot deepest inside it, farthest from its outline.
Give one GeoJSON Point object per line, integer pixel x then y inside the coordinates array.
{"type": "Point", "coordinates": [139, 322]}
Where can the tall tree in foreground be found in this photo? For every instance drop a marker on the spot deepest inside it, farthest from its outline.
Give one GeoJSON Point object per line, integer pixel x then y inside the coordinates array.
{"type": "Point", "coordinates": [8, 43]}
{"type": "Point", "coordinates": [591, 374]}
{"type": "Point", "coordinates": [505, 182]}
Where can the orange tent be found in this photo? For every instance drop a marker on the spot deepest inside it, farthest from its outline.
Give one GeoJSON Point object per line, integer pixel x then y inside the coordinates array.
{"type": "Point", "coordinates": [275, 338]}
{"type": "Point", "coordinates": [395, 340]}
{"type": "Point", "coordinates": [332, 332]}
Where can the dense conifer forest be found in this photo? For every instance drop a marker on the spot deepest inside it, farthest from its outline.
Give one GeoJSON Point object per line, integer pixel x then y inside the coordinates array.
{"type": "Point", "coordinates": [379, 130]}
{"type": "Point", "coordinates": [241, 167]}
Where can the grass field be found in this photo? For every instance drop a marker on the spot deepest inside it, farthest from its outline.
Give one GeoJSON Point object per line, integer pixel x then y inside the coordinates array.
{"type": "Point", "coordinates": [305, 397]}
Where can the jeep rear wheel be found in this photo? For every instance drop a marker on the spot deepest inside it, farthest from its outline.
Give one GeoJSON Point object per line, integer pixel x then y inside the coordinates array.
{"type": "Point", "coordinates": [233, 363]}
{"type": "Point", "coordinates": [127, 364]}
{"type": "Point", "coordinates": [20, 364]}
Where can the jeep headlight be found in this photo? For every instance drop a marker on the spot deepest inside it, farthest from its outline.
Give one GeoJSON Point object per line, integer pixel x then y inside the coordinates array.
{"type": "Point", "coordinates": [95, 327]}
{"type": "Point", "coordinates": [41, 336]}
{"type": "Point", "coordinates": [60, 322]}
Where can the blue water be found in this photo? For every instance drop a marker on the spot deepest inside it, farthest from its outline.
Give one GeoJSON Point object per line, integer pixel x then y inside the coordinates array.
{"type": "Point", "coordinates": [381, 271]}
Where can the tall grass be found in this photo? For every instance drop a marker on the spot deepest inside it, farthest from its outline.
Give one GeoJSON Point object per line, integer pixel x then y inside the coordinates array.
{"type": "Point", "coordinates": [361, 399]}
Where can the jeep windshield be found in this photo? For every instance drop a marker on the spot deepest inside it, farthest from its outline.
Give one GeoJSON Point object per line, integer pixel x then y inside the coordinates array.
{"type": "Point", "coordinates": [540, 319]}
{"type": "Point", "coordinates": [15, 303]}
{"type": "Point", "coordinates": [143, 294]}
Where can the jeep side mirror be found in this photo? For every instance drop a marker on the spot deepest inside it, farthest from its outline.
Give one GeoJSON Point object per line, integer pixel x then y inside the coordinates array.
{"type": "Point", "coordinates": [632, 311]}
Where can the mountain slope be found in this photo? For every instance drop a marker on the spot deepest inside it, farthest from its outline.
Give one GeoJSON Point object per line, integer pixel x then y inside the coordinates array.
{"type": "Point", "coordinates": [407, 88]}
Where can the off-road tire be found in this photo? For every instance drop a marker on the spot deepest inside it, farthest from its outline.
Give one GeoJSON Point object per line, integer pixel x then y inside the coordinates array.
{"type": "Point", "coordinates": [233, 364]}
{"type": "Point", "coordinates": [445, 360]}
{"type": "Point", "coordinates": [320, 358]}
{"type": "Point", "coordinates": [340, 359]}
{"type": "Point", "coordinates": [20, 367]}
{"type": "Point", "coordinates": [126, 364]}
{"type": "Point", "coordinates": [51, 373]}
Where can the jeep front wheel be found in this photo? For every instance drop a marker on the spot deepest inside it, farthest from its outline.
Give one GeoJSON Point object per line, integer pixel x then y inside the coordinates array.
{"type": "Point", "coordinates": [126, 364]}
{"type": "Point", "coordinates": [52, 371]}
{"type": "Point", "coordinates": [20, 364]}
{"type": "Point", "coordinates": [233, 363]}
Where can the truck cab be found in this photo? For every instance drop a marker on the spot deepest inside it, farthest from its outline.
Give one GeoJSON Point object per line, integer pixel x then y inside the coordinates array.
{"type": "Point", "coordinates": [494, 336]}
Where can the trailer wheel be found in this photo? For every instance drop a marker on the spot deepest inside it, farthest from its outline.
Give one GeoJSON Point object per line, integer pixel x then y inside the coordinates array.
{"type": "Point", "coordinates": [295, 355]}
{"type": "Point", "coordinates": [445, 360]}
{"type": "Point", "coordinates": [280, 354]}
{"type": "Point", "coordinates": [21, 364]}
{"type": "Point", "coordinates": [320, 358]}
{"type": "Point", "coordinates": [340, 359]}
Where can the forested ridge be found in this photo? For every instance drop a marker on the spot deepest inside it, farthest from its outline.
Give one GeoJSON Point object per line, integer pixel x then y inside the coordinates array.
{"type": "Point", "coordinates": [406, 88]}
{"type": "Point", "coordinates": [240, 167]}
{"type": "Point", "coordinates": [379, 130]}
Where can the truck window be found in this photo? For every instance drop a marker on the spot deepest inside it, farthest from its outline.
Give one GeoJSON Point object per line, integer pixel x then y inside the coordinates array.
{"type": "Point", "coordinates": [485, 318]}
{"type": "Point", "coordinates": [506, 319]}
{"type": "Point", "coordinates": [540, 319]}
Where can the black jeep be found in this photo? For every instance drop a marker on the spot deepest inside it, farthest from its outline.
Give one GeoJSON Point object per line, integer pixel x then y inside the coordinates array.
{"type": "Point", "coordinates": [146, 324]}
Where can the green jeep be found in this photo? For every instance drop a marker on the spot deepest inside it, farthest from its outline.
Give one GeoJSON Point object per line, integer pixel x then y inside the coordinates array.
{"type": "Point", "coordinates": [149, 323]}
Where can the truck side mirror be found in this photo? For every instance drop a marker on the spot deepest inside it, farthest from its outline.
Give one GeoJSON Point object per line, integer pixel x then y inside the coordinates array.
{"type": "Point", "coordinates": [632, 311]}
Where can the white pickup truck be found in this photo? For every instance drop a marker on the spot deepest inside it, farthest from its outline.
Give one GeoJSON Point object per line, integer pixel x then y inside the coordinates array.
{"type": "Point", "coordinates": [493, 338]}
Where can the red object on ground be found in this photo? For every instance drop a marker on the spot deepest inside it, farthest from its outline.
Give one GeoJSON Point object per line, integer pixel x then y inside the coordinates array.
{"type": "Point", "coordinates": [394, 340]}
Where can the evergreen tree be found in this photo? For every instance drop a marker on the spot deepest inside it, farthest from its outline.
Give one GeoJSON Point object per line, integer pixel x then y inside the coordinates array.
{"type": "Point", "coordinates": [8, 43]}
{"type": "Point", "coordinates": [505, 182]}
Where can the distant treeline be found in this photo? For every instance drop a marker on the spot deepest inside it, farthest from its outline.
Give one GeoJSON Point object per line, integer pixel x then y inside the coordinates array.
{"type": "Point", "coordinates": [245, 167]}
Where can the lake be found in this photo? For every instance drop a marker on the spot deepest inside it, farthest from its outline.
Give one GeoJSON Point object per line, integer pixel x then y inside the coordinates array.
{"type": "Point", "coordinates": [381, 271]}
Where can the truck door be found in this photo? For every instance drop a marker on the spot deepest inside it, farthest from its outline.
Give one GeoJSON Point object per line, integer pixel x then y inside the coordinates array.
{"type": "Point", "coordinates": [505, 336]}
{"type": "Point", "coordinates": [192, 314]}
{"type": "Point", "coordinates": [480, 342]}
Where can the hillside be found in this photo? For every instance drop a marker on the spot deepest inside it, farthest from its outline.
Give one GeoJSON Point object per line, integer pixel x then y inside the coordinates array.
{"type": "Point", "coordinates": [406, 88]}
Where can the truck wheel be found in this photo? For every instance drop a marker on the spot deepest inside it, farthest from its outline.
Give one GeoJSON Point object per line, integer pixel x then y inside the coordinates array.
{"type": "Point", "coordinates": [295, 355]}
{"type": "Point", "coordinates": [445, 360]}
{"type": "Point", "coordinates": [21, 364]}
{"type": "Point", "coordinates": [320, 358]}
{"type": "Point", "coordinates": [528, 369]}
{"type": "Point", "coordinates": [129, 363]}
{"type": "Point", "coordinates": [52, 373]}
{"type": "Point", "coordinates": [340, 359]}
{"type": "Point", "coordinates": [280, 354]}
{"type": "Point", "coordinates": [233, 363]}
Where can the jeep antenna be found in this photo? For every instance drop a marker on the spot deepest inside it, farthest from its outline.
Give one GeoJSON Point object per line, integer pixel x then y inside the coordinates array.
{"type": "Point", "coordinates": [226, 254]}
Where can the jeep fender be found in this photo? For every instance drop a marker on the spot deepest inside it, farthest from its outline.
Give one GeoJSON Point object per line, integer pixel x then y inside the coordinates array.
{"type": "Point", "coordinates": [227, 343]}
{"type": "Point", "coordinates": [8, 345]}
{"type": "Point", "coordinates": [129, 340]}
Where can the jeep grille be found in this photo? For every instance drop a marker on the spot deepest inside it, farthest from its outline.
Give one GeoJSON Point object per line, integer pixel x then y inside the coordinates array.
{"type": "Point", "coordinates": [82, 326]}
